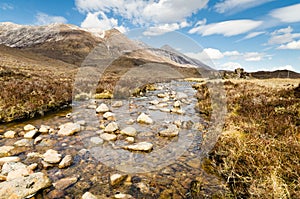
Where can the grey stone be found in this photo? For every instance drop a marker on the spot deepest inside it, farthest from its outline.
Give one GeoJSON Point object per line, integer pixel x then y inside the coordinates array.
{"type": "Point", "coordinates": [68, 129]}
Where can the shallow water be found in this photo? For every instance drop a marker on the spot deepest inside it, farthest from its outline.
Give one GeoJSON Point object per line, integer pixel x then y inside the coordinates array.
{"type": "Point", "coordinates": [169, 168]}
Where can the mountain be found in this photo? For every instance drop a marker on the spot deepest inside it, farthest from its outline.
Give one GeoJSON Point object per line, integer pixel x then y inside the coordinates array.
{"type": "Point", "coordinates": [39, 66]}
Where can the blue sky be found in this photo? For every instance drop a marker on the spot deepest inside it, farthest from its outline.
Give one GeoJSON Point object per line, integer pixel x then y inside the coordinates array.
{"type": "Point", "coordinates": [255, 35]}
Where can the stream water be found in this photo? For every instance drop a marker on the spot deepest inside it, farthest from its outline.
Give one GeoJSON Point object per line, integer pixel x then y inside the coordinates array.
{"type": "Point", "coordinates": [167, 171]}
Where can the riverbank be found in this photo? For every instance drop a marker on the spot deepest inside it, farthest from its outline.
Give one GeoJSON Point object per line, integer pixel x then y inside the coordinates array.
{"type": "Point", "coordinates": [258, 152]}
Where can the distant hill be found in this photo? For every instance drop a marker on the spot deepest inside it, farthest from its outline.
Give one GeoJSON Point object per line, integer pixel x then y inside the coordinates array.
{"type": "Point", "coordinates": [275, 74]}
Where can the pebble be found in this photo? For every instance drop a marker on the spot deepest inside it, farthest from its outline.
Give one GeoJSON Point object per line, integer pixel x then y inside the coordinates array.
{"type": "Point", "coordinates": [143, 118]}
{"type": "Point", "coordinates": [130, 139]}
{"type": "Point", "coordinates": [88, 195]}
{"type": "Point", "coordinates": [32, 166]}
{"type": "Point", "coordinates": [44, 129]}
{"type": "Point", "coordinates": [46, 165]}
{"type": "Point", "coordinates": [66, 162]}
{"type": "Point", "coordinates": [81, 122]}
{"type": "Point", "coordinates": [37, 140]}
{"type": "Point", "coordinates": [10, 134]}
{"type": "Point", "coordinates": [29, 127]}
{"type": "Point", "coordinates": [12, 166]}
{"type": "Point", "coordinates": [177, 104]}
{"type": "Point", "coordinates": [116, 179]}
{"type": "Point", "coordinates": [123, 196]}
{"type": "Point", "coordinates": [9, 159]}
{"type": "Point", "coordinates": [130, 121]}
{"type": "Point", "coordinates": [141, 146]}
{"type": "Point", "coordinates": [96, 140]}
{"type": "Point", "coordinates": [31, 134]}
{"type": "Point", "coordinates": [5, 150]}
{"type": "Point", "coordinates": [117, 104]}
{"type": "Point", "coordinates": [102, 108]}
{"type": "Point", "coordinates": [129, 131]}
{"type": "Point", "coordinates": [24, 143]}
{"type": "Point", "coordinates": [111, 127]}
{"type": "Point", "coordinates": [65, 183]}
{"type": "Point", "coordinates": [171, 131]}
{"type": "Point", "coordinates": [108, 137]}
{"type": "Point", "coordinates": [109, 116]}
{"type": "Point", "coordinates": [177, 110]}
{"type": "Point", "coordinates": [68, 129]}
{"type": "Point", "coordinates": [51, 156]}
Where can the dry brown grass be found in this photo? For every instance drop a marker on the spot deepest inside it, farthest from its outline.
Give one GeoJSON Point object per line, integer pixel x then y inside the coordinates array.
{"type": "Point", "coordinates": [258, 153]}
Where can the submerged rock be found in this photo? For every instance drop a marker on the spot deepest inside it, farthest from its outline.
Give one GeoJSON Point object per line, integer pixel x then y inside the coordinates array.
{"type": "Point", "coordinates": [143, 118]}
{"type": "Point", "coordinates": [64, 183]}
{"type": "Point", "coordinates": [102, 108]}
{"type": "Point", "coordinates": [24, 142]}
{"type": "Point", "coordinates": [129, 131]}
{"type": "Point", "coordinates": [141, 146]}
{"type": "Point", "coordinates": [66, 162]}
{"type": "Point", "coordinates": [88, 195]}
{"type": "Point", "coordinates": [116, 179]}
{"type": "Point", "coordinates": [171, 131]}
{"type": "Point", "coordinates": [108, 137]}
{"type": "Point", "coordinates": [68, 129]}
{"type": "Point", "coordinates": [117, 104]}
{"type": "Point", "coordinates": [111, 127]}
{"type": "Point", "coordinates": [23, 187]}
{"type": "Point", "coordinates": [51, 156]}
{"type": "Point", "coordinates": [5, 150]}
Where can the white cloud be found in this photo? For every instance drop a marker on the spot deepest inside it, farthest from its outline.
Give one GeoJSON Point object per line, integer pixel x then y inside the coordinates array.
{"type": "Point", "coordinates": [230, 66]}
{"type": "Point", "coordinates": [237, 5]}
{"type": "Point", "coordinates": [253, 56]}
{"type": "Point", "coordinates": [283, 36]}
{"type": "Point", "coordinates": [216, 54]}
{"type": "Point", "coordinates": [6, 6]}
{"type": "Point", "coordinates": [162, 29]}
{"type": "Point", "coordinates": [150, 13]}
{"type": "Point", "coordinates": [226, 28]}
{"type": "Point", "coordinates": [253, 34]}
{"type": "Point", "coordinates": [44, 19]}
{"type": "Point", "coordinates": [207, 54]}
{"type": "Point", "coordinates": [287, 14]}
{"type": "Point", "coordinates": [232, 53]}
{"type": "Point", "coordinates": [293, 45]}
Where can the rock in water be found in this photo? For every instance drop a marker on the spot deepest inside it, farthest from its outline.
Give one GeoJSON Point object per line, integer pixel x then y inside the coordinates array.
{"type": "Point", "coordinates": [64, 183]}
{"type": "Point", "coordinates": [68, 129]}
{"type": "Point", "coordinates": [117, 104]}
{"type": "Point", "coordinates": [20, 188]}
{"type": "Point", "coordinates": [143, 118]}
{"type": "Point", "coordinates": [66, 162]}
{"type": "Point", "coordinates": [141, 146]}
{"type": "Point", "coordinates": [116, 179]}
{"type": "Point", "coordinates": [9, 159]}
{"type": "Point", "coordinates": [102, 108]}
{"type": "Point", "coordinates": [129, 131]}
{"type": "Point", "coordinates": [29, 127]}
{"type": "Point", "coordinates": [171, 131]}
{"type": "Point", "coordinates": [108, 137]}
{"type": "Point", "coordinates": [51, 156]}
{"type": "Point", "coordinates": [31, 134]}
{"type": "Point", "coordinates": [5, 150]}
{"type": "Point", "coordinates": [111, 127]}
{"type": "Point", "coordinates": [10, 134]}
{"type": "Point", "coordinates": [88, 195]}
